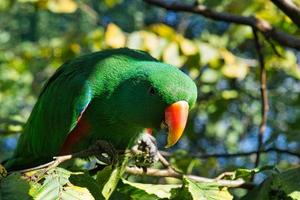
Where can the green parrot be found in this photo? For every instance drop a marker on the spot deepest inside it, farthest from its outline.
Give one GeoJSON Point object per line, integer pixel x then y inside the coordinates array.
{"type": "Point", "coordinates": [111, 95]}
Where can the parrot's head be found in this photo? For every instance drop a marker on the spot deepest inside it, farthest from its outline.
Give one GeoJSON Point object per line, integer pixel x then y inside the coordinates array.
{"type": "Point", "coordinates": [154, 93]}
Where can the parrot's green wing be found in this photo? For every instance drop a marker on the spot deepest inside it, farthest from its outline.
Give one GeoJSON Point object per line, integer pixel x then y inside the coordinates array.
{"type": "Point", "coordinates": [61, 103]}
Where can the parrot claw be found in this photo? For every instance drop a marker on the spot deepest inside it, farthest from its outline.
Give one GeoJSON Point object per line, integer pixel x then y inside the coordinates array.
{"type": "Point", "coordinates": [109, 154]}
{"type": "Point", "coordinates": [146, 146]}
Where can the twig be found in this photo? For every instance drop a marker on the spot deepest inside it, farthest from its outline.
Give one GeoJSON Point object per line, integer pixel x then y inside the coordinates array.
{"type": "Point", "coordinates": [264, 97]}
{"type": "Point", "coordinates": [8, 132]}
{"type": "Point", "coordinates": [290, 9]}
{"type": "Point", "coordinates": [170, 173]}
{"type": "Point", "coordinates": [240, 154]}
{"type": "Point", "coordinates": [11, 122]}
{"type": "Point", "coordinates": [263, 26]}
{"type": "Point", "coordinates": [60, 159]}
{"type": "Point", "coordinates": [273, 46]}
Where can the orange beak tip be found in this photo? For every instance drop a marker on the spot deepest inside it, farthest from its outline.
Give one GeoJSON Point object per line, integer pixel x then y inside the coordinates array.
{"type": "Point", "coordinates": [176, 117]}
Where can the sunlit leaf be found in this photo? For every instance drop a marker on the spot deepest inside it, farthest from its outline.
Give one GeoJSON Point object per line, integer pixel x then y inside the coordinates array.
{"type": "Point", "coordinates": [229, 94]}
{"type": "Point", "coordinates": [235, 71]}
{"type": "Point", "coordinates": [163, 30]}
{"type": "Point", "coordinates": [171, 55]}
{"type": "Point", "coordinates": [197, 191]}
{"type": "Point", "coordinates": [112, 3]}
{"type": "Point", "coordinates": [210, 76]}
{"type": "Point", "coordinates": [208, 53]}
{"type": "Point", "coordinates": [153, 191]}
{"type": "Point", "coordinates": [114, 36]}
{"type": "Point", "coordinates": [135, 40]}
{"type": "Point", "coordinates": [3, 172]}
{"type": "Point", "coordinates": [187, 47]}
{"type": "Point", "coordinates": [62, 6]}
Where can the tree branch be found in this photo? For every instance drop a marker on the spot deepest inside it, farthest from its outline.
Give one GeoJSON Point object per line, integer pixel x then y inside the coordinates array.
{"type": "Point", "coordinates": [241, 154]}
{"type": "Point", "coordinates": [264, 96]}
{"type": "Point", "coordinates": [170, 173]}
{"type": "Point", "coordinates": [290, 9]}
{"type": "Point", "coordinates": [8, 132]}
{"type": "Point", "coordinates": [260, 25]}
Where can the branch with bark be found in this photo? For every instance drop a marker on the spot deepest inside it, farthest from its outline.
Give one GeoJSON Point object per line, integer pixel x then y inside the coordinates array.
{"type": "Point", "coordinates": [260, 25]}
{"type": "Point", "coordinates": [264, 96]}
{"type": "Point", "coordinates": [239, 154]}
{"type": "Point", "coordinates": [290, 9]}
{"type": "Point", "coordinates": [169, 171]}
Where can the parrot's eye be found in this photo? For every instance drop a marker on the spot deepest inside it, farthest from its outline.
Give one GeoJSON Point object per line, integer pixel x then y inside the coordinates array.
{"type": "Point", "coordinates": [151, 91]}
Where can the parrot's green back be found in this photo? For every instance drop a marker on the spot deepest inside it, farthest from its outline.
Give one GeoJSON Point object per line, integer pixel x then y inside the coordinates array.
{"type": "Point", "coordinates": [98, 96]}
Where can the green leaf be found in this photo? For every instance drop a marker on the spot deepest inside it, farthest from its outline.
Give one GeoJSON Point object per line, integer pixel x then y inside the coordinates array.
{"type": "Point", "coordinates": [108, 179]}
{"type": "Point", "coordinates": [195, 190]}
{"type": "Point", "coordinates": [284, 185]}
{"type": "Point", "coordinates": [13, 187]}
{"type": "Point", "coordinates": [86, 181]}
{"type": "Point", "coordinates": [246, 174]}
{"type": "Point", "coordinates": [57, 186]}
{"type": "Point", "coordinates": [157, 191]}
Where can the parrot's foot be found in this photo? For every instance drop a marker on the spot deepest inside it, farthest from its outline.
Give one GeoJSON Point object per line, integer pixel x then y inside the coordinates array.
{"type": "Point", "coordinates": [108, 154]}
{"type": "Point", "coordinates": [146, 145]}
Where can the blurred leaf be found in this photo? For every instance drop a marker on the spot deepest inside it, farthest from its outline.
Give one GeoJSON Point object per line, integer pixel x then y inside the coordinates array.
{"type": "Point", "coordinates": [284, 185]}
{"type": "Point", "coordinates": [13, 187]}
{"type": "Point", "coordinates": [3, 172]}
{"type": "Point", "coordinates": [235, 71]}
{"type": "Point", "coordinates": [6, 4]}
{"type": "Point", "coordinates": [208, 53]}
{"type": "Point", "coordinates": [163, 31]}
{"type": "Point", "coordinates": [230, 94]}
{"type": "Point", "coordinates": [187, 47]}
{"type": "Point", "coordinates": [135, 40]}
{"type": "Point", "coordinates": [112, 3]}
{"type": "Point", "coordinates": [114, 37]}
{"type": "Point", "coordinates": [210, 76]}
{"type": "Point", "coordinates": [62, 6]}
{"type": "Point", "coordinates": [171, 55]}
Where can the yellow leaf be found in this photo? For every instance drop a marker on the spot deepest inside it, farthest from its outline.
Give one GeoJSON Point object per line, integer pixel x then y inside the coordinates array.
{"type": "Point", "coordinates": [228, 57]}
{"type": "Point", "coordinates": [171, 55]}
{"type": "Point", "coordinates": [112, 3]}
{"type": "Point", "coordinates": [150, 41]}
{"type": "Point", "coordinates": [62, 6]}
{"type": "Point", "coordinates": [229, 94]}
{"type": "Point", "coordinates": [81, 193]}
{"type": "Point", "coordinates": [75, 48]}
{"type": "Point", "coordinates": [3, 172]}
{"type": "Point", "coordinates": [208, 53]}
{"type": "Point", "coordinates": [187, 47]}
{"type": "Point", "coordinates": [163, 30]}
{"type": "Point", "coordinates": [235, 70]}
{"type": "Point", "coordinates": [135, 40]}
{"type": "Point", "coordinates": [114, 36]}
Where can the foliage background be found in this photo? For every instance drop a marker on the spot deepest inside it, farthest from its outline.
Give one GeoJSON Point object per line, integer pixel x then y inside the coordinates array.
{"type": "Point", "coordinates": [37, 36]}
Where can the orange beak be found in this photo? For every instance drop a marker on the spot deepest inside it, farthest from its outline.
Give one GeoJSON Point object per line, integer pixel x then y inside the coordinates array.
{"type": "Point", "coordinates": [176, 117]}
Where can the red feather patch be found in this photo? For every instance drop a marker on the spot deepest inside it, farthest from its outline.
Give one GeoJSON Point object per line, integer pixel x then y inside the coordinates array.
{"type": "Point", "coordinates": [81, 130]}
